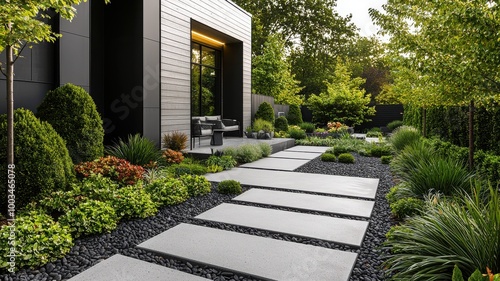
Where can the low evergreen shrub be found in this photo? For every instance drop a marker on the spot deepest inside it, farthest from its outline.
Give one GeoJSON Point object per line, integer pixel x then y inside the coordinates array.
{"type": "Point", "coordinates": [90, 217]}
{"type": "Point", "coordinates": [297, 133]}
{"type": "Point", "coordinates": [133, 202]}
{"type": "Point", "coordinates": [294, 116]}
{"type": "Point", "coordinates": [347, 158]}
{"type": "Point", "coordinates": [73, 114]}
{"type": "Point", "coordinates": [393, 125]}
{"type": "Point", "coordinates": [262, 125]}
{"type": "Point", "coordinates": [167, 191]}
{"type": "Point", "coordinates": [379, 150]}
{"type": "Point", "coordinates": [407, 207]}
{"type": "Point", "coordinates": [328, 157]}
{"type": "Point", "coordinates": [248, 153]}
{"type": "Point", "coordinates": [266, 112]}
{"type": "Point", "coordinates": [386, 159]}
{"type": "Point", "coordinates": [227, 162]}
{"type": "Point", "coordinates": [196, 185]}
{"type": "Point", "coordinates": [265, 148]}
{"type": "Point", "coordinates": [178, 170]}
{"type": "Point", "coordinates": [229, 187]}
{"type": "Point", "coordinates": [281, 124]}
{"type": "Point", "coordinates": [307, 127]}
{"type": "Point", "coordinates": [337, 150]}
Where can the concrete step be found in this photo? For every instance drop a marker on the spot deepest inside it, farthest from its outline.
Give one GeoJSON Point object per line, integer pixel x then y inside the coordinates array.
{"type": "Point", "coordinates": [280, 164]}
{"type": "Point", "coordinates": [304, 148]}
{"type": "Point", "coordinates": [261, 257]}
{"type": "Point", "coordinates": [302, 201]}
{"type": "Point", "coordinates": [344, 231]}
{"type": "Point", "coordinates": [122, 268]}
{"type": "Point", "coordinates": [295, 155]}
{"type": "Point", "coordinates": [318, 183]}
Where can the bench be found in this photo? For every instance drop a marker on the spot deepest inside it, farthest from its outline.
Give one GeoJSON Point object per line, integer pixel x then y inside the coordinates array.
{"type": "Point", "coordinates": [212, 126]}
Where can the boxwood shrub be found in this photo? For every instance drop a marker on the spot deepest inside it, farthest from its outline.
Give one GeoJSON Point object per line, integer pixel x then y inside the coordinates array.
{"type": "Point", "coordinates": [294, 116]}
{"type": "Point", "coordinates": [196, 185]}
{"type": "Point", "coordinates": [42, 160]}
{"type": "Point", "coordinates": [328, 157]}
{"type": "Point", "coordinates": [281, 124]}
{"type": "Point", "coordinates": [167, 191]}
{"type": "Point", "coordinates": [266, 112]}
{"type": "Point", "coordinates": [133, 202]}
{"type": "Point", "coordinates": [347, 158]}
{"type": "Point", "coordinates": [229, 187]}
{"type": "Point", "coordinates": [73, 114]}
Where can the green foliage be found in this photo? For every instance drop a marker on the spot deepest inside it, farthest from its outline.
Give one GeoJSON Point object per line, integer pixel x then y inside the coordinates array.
{"type": "Point", "coordinates": [271, 73]}
{"type": "Point", "coordinates": [42, 160]}
{"type": "Point", "coordinates": [196, 185]}
{"type": "Point", "coordinates": [178, 170]}
{"type": "Point", "coordinates": [297, 133]}
{"type": "Point", "coordinates": [247, 153]}
{"type": "Point", "coordinates": [133, 202]}
{"type": "Point", "coordinates": [403, 136]}
{"type": "Point", "coordinates": [338, 149]}
{"type": "Point", "coordinates": [307, 127]}
{"type": "Point", "coordinates": [394, 124]}
{"type": "Point", "coordinates": [476, 276]}
{"type": "Point", "coordinates": [90, 217]}
{"type": "Point", "coordinates": [265, 112]}
{"type": "Point", "coordinates": [463, 233]}
{"type": "Point", "coordinates": [343, 100]}
{"type": "Point", "coordinates": [386, 159]}
{"type": "Point", "coordinates": [266, 149]}
{"type": "Point", "coordinates": [167, 191]}
{"type": "Point", "coordinates": [225, 161]}
{"type": "Point", "coordinates": [373, 134]}
{"type": "Point", "coordinates": [281, 124]}
{"type": "Point", "coordinates": [347, 158]}
{"type": "Point", "coordinates": [328, 157]}
{"type": "Point", "coordinates": [38, 240]}
{"type": "Point", "coordinates": [407, 207]}
{"type": "Point", "coordinates": [214, 169]}
{"type": "Point", "coordinates": [73, 114]}
{"type": "Point", "coordinates": [294, 116]}
{"type": "Point", "coordinates": [381, 149]}
{"type": "Point", "coordinates": [262, 125]}
{"type": "Point", "coordinates": [138, 150]}
{"type": "Point", "coordinates": [119, 170]}
{"type": "Point", "coordinates": [175, 140]}
{"type": "Point", "coordinates": [229, 187]}
{"type": "Point", "coordinates": [396, 192]}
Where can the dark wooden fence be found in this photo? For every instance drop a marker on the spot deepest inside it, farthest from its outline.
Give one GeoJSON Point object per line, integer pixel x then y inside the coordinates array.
{"type": "Point", "coordinates": [258, 99]}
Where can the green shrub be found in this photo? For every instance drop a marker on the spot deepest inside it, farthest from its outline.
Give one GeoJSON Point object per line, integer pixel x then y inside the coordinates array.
{"type": "Point", "coordinates": [73, 114]}
{"type": "Point", "coordinates": [262, 125]}
{"type": "Point", "coordinates": [90, 217]}
{"type": "Point", "coordinates": [403, 136]}
{"type": "Point", "coordinates": [247, 153]}
{"type": "Point", "coordinates": [476, 275]}
{"type": "Point", "coordinates": [175, 140]}
{"type": "Point", "coordinates": [346, 158]}
{"type": "Point", "coordinates": [133, 202]}
{"type": "Point", "coordinates": [404, 163]}
{"type": "Point", "coordinates": [196, 185]}
{"type": "Point", "coordinates": [379, 150]}
{"type": "Point", "coordinates": [407, 207]}
{"type": "Point", "coordinates": [281, 124]}
{"type": "Point", "coordinates": [266, 149]}
{"type": "Point", "coordinates": [266, 112]}
{"type": "Point", "coordinates": [394, 124]}
{"type": "Point", "coordinates": [393, 234]}
{"type": "Point", "coordinates": [297, 134]}
{"type": "Point", "coordinates": [178, 170]}
{"type": "Point", "coordinates": [372, 134]}
{"type": "Point", "coordinates": [119, 170]}
{"type": "Point", "coordinates": [463, 233]}
{"type": "Point", "coordinates": [167, 191]}
{"type": "Point", "coordinates": [386, 159]}
{"type": "Point", "coordinates": [294, 116]}
{"type": "Point", "coordinates": [137, 150]}
{"type": "Point", "coordinates": [42, 162]}
{"type": "Point", "coordinates": [230, 151]}
{"type": "Point", "coordinates": [229, 187]}
{"type": "Point", "coordinates": [225, 161]}
{"type": "Point", "coordinates": [214, 169]}
{"type": "Point", "coordinates": [328, 157]}
{"type": "Point", "coordinates": [38, 240]}
{"type": "Point", "coordinates": [337, 150]}
{"type": "Point", "coordinates": [307, 127]}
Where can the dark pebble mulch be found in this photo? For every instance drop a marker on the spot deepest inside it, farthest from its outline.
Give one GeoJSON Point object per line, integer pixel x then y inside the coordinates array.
{"type": "Point", "coordinates": [89, 251]}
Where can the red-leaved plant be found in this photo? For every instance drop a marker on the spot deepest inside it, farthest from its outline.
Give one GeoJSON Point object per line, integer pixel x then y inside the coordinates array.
{"type": "Point", "coordinates": [117, 169]}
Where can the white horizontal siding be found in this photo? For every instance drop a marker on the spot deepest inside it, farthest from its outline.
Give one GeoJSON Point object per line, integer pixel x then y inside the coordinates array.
{"type": "Point", "coordinates": [175, 33]}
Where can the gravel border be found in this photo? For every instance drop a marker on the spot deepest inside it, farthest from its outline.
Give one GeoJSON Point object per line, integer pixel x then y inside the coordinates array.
{"type": "Point", "coordinates": [89, 251]}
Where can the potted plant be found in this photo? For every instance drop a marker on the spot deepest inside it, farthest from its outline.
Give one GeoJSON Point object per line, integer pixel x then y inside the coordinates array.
{"type": "Point", "coordinates": [249, 133]}
{"type": "Point", "coordinates": [264, 129]}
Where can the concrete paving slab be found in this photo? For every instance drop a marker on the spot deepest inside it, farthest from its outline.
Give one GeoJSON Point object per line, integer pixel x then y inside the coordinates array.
{"type": "Point", "coordinates": [326, 184]}
{"type": "Point", "coordinates": [326, 204]}
{"type": "Point", "coordinates": [276, 164]}
{"type": "Point", "coordinates": [123, 268]}
{"type": "Point", "coordinates": [295, 155]}
{"type": "Point", "coordinates": [261, 257]}
{"type": "Point", "coordinates": [344, 231]}
{"type": "Point", "coordinates": [305, 148]}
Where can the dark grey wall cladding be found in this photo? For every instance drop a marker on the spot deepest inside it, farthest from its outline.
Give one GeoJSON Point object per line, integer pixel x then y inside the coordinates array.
{"type": "Point", "coordinates": [233, 84]}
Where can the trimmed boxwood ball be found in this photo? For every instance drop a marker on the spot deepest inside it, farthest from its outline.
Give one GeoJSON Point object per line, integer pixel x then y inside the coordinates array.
{"type": "Point", "coordinates": [281, 124]}
{"type": "Point", "coordinates": [346, 158]}
{"type": "Point", "coordinates": [294, 116]}
{"type": "Point", "coordinates": [266, 112]}
{"type": "Point", "coordinates": [73, 114]}
{"type": "Point", "coordinates": [328, 157]}
{"type": "Point", "coordinates": [42, 161]}
{"type": "Point", "coordinates": [229, 187]}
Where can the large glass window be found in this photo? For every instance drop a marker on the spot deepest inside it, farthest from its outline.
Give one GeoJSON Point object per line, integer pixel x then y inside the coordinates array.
{"type": "Point", "coordinates": [205, 81]}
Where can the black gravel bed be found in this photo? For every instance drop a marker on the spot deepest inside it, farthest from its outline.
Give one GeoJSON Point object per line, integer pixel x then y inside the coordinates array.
{"type": "Point", "coordinates": [89, 251]}
{"type": "Point", "coordinates": [369, 263]}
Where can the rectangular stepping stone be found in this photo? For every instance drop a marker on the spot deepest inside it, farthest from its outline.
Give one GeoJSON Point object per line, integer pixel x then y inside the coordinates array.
{"type": "Point", "coordinates": [276, 164]}
{"type": "Point", "coordinates": [326, 204]}
{"type": "Point", "coordinates": [295, 155]}
{"type": "Point", "coordinates": [345, 231]}
{"type": "Point", "coordinates": [121, 268]}
{"type": "Point", "coordinates": [264, 258]}
{"type": "Point", "coordinates": [318, 183]}
{"type": "Point", "coordinates": [305, 148]}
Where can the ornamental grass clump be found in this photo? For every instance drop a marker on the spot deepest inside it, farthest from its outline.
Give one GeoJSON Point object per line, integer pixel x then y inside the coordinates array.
{"type": "Point", "coordinates": [404, 136]}
{"type": "Point", "coordinates": [462, 232]}
{"type": "Point", "coordinates": [138, 150]}
{"type": "Point", "coordinates": [175, 140]}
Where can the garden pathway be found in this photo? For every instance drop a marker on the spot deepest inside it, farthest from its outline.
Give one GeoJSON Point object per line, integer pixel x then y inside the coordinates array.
{"type": "Point", "coordinates": [305, 197]}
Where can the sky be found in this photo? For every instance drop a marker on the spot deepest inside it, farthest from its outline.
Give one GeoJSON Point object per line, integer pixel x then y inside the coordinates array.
{"type": "Point", "coordinates": [359, 11]}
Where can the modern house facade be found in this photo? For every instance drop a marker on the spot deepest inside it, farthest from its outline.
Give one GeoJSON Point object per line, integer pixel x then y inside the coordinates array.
{"type": "Point", "coordinates": [149, 65]}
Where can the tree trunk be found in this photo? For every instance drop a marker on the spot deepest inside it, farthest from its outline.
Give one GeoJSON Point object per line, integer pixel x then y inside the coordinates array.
{"type": "Point", "coordinates": [10, 105]}
{"type": "Point", "coordinates": [424, 122]}
{"type": "Point", "coordinates": [471, 135]}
